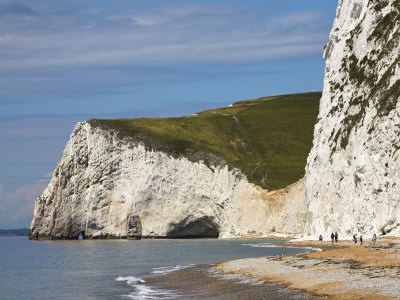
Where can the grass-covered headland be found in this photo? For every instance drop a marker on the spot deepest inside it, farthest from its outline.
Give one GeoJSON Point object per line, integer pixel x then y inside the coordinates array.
{"type": "Point", "coordinates": [268, 139]}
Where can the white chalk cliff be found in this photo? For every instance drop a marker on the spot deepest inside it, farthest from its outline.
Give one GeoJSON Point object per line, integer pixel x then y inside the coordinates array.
{"type": "Point", "coordinates": [106, 186]}
{"type": "Point", "coordinates": [353, 171]}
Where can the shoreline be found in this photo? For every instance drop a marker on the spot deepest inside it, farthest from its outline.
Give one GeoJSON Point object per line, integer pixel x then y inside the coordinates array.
{"type": "Point", "coordinates": [205, 282]}
{"type": "Point", "coordinates": [342, 271]}
{"type": "Point", "coordinates": [339, 271]}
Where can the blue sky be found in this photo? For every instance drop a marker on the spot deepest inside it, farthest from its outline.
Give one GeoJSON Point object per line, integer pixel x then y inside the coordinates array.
{"type": "Point", "coordinates": [66, 61]}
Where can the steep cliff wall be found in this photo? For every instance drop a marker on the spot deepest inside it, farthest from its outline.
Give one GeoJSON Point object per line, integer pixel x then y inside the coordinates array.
{"type": "Point", "coordinates": [108, 186]}
{"type": "Point", "coordinates": [205, 177]}
{"type": "Point", "coordinates": [353, 172]}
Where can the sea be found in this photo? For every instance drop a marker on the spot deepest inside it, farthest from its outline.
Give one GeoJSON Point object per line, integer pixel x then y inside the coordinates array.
{"type": "Point", "coordinates": [112, 269]}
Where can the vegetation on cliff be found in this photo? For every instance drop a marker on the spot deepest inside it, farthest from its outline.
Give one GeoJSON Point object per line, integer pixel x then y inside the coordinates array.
{"type": "Point", "coordinates": [376, 88]}
{"type": "Point", "coordinates": [268, 139]}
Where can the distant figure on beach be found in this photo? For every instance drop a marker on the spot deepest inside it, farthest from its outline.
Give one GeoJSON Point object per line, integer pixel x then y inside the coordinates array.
{"type": "Point", "coordinates": [374, 238]}
{"type": "Point", "coordinates": [355, 238]}
{"type": "Point", "coordinates": [361, 240]}
{"type": "Point", "coordinates": [332, 237]}
{"type": "Point", "coordinates": [336, 237]}
{"type": "Point", "coordinates": [320, 238]}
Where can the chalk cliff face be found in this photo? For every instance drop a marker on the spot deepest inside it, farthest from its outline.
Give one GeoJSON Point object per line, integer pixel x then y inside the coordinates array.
{"type": "Point", "coordinates": [106, 186]}
{"type": "Point", "coordinates": [353, 172]}
{"type": "Point", "coordinates": [109, 186]}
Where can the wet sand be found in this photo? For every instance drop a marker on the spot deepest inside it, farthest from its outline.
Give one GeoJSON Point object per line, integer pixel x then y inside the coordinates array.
{"type": "Point", "coordinates": [205, 282]}
{"type": "Point", "coordinates": [340, 271]}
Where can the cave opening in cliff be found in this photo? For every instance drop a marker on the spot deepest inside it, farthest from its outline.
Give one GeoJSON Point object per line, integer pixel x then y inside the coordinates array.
{"type": "Point", "coordinates": [203, 227]}
{"type": "Point", "coordinates": [81, 235]}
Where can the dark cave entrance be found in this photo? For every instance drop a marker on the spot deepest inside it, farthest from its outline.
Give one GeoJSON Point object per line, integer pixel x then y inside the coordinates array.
{"type": "Point", "coordinates": [203, 227]}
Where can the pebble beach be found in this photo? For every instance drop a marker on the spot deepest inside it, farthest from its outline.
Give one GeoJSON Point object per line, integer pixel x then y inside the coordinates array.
{"type": "Point", "coordinates": [343, 270]}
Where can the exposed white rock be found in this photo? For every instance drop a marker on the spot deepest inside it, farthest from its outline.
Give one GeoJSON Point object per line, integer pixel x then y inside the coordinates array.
{"type": "Point", "coordinates": [109, 187]}
{"type": "Point", "coordinates": [353, 172]}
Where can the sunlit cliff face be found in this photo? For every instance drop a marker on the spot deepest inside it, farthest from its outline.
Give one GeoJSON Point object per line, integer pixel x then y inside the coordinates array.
{"type": "Point", "coordinates": [353, 172]}
{"type": "Point", "coordinates": [108, 187]}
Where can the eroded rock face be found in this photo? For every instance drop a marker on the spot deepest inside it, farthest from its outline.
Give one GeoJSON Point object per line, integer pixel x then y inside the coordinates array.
{"type": "Point", "coordinates": [134, 227]}
{"type": "Point", "coordinates": [111, 187]}
{"type": "Point", "coordinates": [353, 171]}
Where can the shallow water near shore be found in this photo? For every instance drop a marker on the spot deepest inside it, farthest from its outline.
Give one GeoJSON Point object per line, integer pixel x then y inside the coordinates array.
{"type": "Point", "coordinates": [111, 269]}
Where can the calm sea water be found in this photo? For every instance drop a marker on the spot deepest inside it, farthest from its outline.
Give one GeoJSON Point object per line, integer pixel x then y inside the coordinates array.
{"type": "Point", "coordinates": [109, 269]}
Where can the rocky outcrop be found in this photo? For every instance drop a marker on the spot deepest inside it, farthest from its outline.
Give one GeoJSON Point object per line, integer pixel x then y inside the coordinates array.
{"type": "Point", "coordinates": [108, 186]}
{"type": "Point", "coordinates": [113, 186]}
{"type": "Point", "coordinates": [353, 172]}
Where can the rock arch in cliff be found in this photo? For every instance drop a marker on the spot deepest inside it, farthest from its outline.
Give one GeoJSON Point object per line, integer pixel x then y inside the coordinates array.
{"type": "Point", "coordinates": [204, 227]}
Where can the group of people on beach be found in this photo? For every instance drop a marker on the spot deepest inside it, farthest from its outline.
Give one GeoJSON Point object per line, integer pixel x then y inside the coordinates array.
{"type": "Point", "coordinates": [361, 239]}
{"type": "Point", "coordinates": [334, 238]}
{"type": "Point", "coordinates": [355, 239]}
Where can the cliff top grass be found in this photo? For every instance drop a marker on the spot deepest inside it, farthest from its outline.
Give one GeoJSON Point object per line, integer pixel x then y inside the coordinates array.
{"type": "Point", "coordinates": [268, 139]}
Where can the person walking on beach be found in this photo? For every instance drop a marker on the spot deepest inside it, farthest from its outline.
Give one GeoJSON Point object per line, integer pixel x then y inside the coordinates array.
{"type": "Point", "coordinates": [320, 238]}
{"type": "Point", "coordinates": [374, 238]}
{"type": "Point", "coordinates": [336, 237]}
{"type": "Point", "coordinates": [355, 238]}
{"type": "Point", "coordinates": [361, 240]}
{"type": "Point", "coordinates": [332, 237]}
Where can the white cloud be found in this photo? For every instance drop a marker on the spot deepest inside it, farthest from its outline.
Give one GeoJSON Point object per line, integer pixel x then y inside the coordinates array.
{"type": "Point", "coordinates": [296, 19]}
{"type": "Point", "coordinates": [143, 20]}
{"type": "Point", "coordinates": [170, 36]}
{"type": "Point", "coordinates": [16, 207]}
{"type": "Point", "coordinates": [48, 175]}
{"type": "Point", "coordinates": [62, 53]}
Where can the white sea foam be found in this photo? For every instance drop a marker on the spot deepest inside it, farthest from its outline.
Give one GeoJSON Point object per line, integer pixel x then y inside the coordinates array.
{"type": "Point", "coordinates": [144, 292]}
{"type": "Point", "coordinates": [311, 248]}
{"type": "Point", "coordinates": [130, 279]}
{"type": "Point", "coordinates": [170, 269]}
{"type": "Point", "coordinates": [269, 245]}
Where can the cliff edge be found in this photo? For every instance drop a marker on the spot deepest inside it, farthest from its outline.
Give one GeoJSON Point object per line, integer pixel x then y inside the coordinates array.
{"type": "Point", "coordinates": [198, 176]}
{"type": "Point", "coordinates": [353, 174]}
{"type": "Point", "coordinates": [238, 170]}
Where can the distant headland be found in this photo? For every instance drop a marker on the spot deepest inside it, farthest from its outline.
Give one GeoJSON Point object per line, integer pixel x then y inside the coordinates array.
{"type": "Point", "coordinates": [14, 232]}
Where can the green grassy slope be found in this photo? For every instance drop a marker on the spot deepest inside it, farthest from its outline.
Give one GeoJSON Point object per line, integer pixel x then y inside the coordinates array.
{"type": "Point", "coordinates": [267, 138]}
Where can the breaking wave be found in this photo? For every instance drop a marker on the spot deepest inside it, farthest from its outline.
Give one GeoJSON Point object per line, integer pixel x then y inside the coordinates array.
{"type": "Point", "coordinates": [143, 291]}
{"type": "Point", "coordinates": [167, 270]}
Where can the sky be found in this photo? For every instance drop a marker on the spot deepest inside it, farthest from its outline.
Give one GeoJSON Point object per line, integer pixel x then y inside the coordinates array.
{"type": "Point", "coordinates": [62, 62]}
